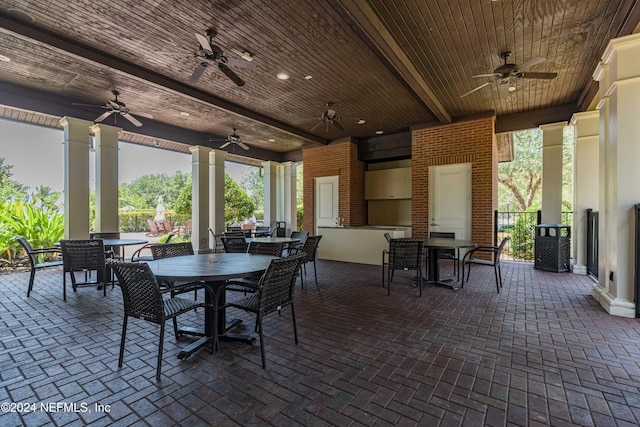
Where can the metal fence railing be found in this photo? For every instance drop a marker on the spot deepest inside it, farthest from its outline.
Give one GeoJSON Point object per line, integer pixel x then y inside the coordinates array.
{"type": "Point", "coordinates": [521, 227]}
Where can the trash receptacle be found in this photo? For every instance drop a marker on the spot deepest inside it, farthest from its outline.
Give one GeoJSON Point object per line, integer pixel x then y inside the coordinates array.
{"type": "Point", "coordinates": [281, 229]}
{"type": "Point", "coordinates": [552, 247]}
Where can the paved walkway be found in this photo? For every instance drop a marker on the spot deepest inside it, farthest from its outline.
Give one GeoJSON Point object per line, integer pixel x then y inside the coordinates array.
{"type": "Point", "coordinates": [542, 352]}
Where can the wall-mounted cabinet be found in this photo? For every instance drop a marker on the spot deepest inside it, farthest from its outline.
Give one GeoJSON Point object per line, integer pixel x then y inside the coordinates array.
{"type": "Point", "coordinates": [387, 184]}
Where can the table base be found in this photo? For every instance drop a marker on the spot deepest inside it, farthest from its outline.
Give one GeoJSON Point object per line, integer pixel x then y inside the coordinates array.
{"type": "Point", "coordinates": [205, 341]}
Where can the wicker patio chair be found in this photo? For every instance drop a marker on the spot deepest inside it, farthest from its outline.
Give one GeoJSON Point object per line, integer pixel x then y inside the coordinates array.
{"type": "Point", "coordinates": [217, 242]}
{"type": "Point", "coordinates": [310, 250]}
{"type": "Point", "coordinates": [233, 244]}
{"type": "Point", "coordinates": [85, 256]}
{"type": "Point", "coordinates": [34, 259]}
{"type": "Point", "coordinates": [143, 300]}
{"type": "Point", "coordinates": [250, 284]}
{"type": "Point", "coordinates": [262, 231]}
{"type": "Point", "coordinates": [275, 291]}
{"type": "Point", "coordinates": [404, 254]}
{"type": "Point", "coordinates": [494, 251]}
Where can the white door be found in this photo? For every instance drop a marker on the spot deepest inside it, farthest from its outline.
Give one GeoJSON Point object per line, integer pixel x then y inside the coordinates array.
{"type": "Point", "coordinates": [326, 202]}
{"type": "Point", "coordinates": [450, 199]}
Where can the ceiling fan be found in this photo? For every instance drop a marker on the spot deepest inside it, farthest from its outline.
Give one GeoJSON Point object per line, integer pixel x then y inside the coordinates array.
{"type": "Point", "coordinates": [329, 117]}
{"type": "Point", "coordinates": [233, 139]}
{"type": "Point", "coordinates": [504, 73]}
{"type": "Point", "coordinates": [115, 106]}
{"type": "Point", "coordinates": [209, 52]}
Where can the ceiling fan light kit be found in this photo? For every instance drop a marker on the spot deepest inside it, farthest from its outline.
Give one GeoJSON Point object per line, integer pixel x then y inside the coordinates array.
{"type": "Point", "coordinates": [506, 72]}
{"type": "Point", "coordinates": [329, 117]}
{"type": "Point", "coordinates": [233, 140]}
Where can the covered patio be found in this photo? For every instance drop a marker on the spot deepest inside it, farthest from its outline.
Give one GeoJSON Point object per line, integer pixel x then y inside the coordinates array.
{"type": "Point", "coordinates": [541, 352]}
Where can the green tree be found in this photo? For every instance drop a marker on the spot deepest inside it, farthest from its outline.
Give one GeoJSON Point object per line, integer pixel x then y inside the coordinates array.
{"type": "Point", "coordinates": [237, 204]}
{"type": "Point", "coordinates": [48, 198]}
{"type": "Point", "coordinates": [253, 185]}
{"type": "Point", "coordinates": [143, 192]}
{"type": "Point", "coordinates": [520, 179]}
{"type": "Point", "coordinates": [10, 188]}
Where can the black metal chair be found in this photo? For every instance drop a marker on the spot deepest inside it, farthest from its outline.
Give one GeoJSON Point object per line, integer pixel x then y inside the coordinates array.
{"type": "Point", "coordinates": [385, 256]}
{"type": "Point", "coordinates": [310, 250]}
{"type": "Point", "coordinates": [143, 300]}
{"type": "Point", "coordinates": [262, 231]}
{"type": "Point", "coordinates": [450, 254]}
{"type": "Point", "coordinates": [217, 241]}
{"type": "Point", "coordinates": [234, 244]}
{"type": "Point", "coordinates": [495, 252]}
{"type": "Point", "coordinates": [302, 235]}
{"type": "Point", "coordinates": [85, 256]}
{"type": "Point", "coordinates": [34, 259]}
{"type": "Point", "coordinates": [404, 254]}
{"type": "Point", "coordinates": [111, 251]}
{"type": "Point", "coordinates": [275, 291]}
{"type": "Point", "coordinates": [234, 228]}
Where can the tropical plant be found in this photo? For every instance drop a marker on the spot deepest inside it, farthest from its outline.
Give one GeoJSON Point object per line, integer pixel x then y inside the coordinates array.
{"type": "Point", "coordinates": [41, 226]}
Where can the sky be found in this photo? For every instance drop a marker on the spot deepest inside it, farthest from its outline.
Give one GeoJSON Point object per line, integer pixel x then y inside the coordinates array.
{"type": "Point", "coordinates": [36, 154]}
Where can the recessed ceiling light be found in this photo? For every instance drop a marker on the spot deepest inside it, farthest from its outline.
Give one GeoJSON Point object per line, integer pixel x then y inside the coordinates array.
{"type": "Point", "coordinates": [282, 76]}
{"type": "Point", "coordinates": [272, 140]}
{"type": "Point", "coordinates": [512, 88]}
{"type": "Point", "coordinates": [379, 132]}
{"type": "Point", "coordinates": [5, 58]}
{"type": "Point", "coordinates": [184, 114]}
{"type": "Point", "coordinates": [361, 122]}
{"type": "Point", "coordinates": [308, 77]}
{"type": "Point", "coordinates": [21, 14]}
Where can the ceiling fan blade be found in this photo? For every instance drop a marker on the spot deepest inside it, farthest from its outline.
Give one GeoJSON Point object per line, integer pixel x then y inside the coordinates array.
{"type": "Point", "coordinates": [242, 145]}
{"type": "Point", "coordinates": [224, 145]}
{"type": "Point", "coordinates": [240, 63]}
{"type": "Point", "coordinates": [204, 42]}
{"type": "Point", "coordinates": [530, 63]}
{"type": "Point", "coordinates": [315, 126]}
{"type": "Point", "coordinates": [198, 72]}
{"type": "Point", "coordinates": [145, 115]}
{"type": "Point", "coordinates": [103, 116]}
{"type": "Point", "coordinates": [131, 119]}
{"type": "Point", "coordinates": [337, 124]}
{"type": "Point", "coordinates": [487, 75]}
{"type": "Point", "coordinates": [229, 73]}
{"type": "Point", "coordinates": [473, 90]}
{"type": "Point", "coordinates": [534, 75]}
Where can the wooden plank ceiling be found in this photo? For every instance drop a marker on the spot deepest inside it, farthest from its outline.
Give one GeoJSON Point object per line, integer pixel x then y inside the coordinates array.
{"type": "Point", "coordinates": [391, 63]}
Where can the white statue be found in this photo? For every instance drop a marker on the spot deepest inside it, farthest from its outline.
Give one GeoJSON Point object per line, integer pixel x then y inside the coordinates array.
{"type": "Point", "coordinates": [159, 211]}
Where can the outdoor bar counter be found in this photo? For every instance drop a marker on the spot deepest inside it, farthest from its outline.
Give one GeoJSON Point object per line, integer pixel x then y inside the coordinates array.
{"type": "Point", "coordinates": [361, 245]}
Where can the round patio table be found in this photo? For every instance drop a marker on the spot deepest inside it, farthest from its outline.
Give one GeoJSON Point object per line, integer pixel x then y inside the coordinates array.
{"type": "Point", "coordinates": [214, 270]}
{"type": "Point", "coordinates": [434, 245]}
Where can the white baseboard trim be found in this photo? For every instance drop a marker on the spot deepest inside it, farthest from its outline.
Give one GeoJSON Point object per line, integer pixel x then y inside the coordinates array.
{"type": "Point", "coordinates": [613, 306]}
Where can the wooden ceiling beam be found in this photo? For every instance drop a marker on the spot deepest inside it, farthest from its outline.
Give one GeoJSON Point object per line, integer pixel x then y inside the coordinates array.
{"type": "Point", "coordinates": [89, 53]}
{"type": "Point", "coordinates": [535, 118]}
{"type": "Point", "coordinates": [364, 19]}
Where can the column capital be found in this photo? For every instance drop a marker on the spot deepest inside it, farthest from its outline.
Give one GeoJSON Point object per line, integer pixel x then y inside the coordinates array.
{"type": "Point", "coordinates": [107, 131]}
{"type": "Point", "coordinates": [586, 123]}
{"type": "Point", "coordinates": [619, 44]}
{"type": "Point", "coordinates": [217, 157]}
{"type": "Point", "coordinates": [76, 129]}
{"type": "Point", "coordinates": [552, 126]}
{"type": "Point", "coordinates": [200, 153]}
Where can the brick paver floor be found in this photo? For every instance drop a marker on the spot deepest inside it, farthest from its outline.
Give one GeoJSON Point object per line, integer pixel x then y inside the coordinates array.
{"type": "Point", "coordinates": [542, 352]}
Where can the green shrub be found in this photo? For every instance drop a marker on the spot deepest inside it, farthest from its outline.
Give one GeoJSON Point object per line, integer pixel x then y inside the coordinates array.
{"type": "Point", "coordinates": [522, 243]}
{"type": "Point", "coordinates": [41, 226]}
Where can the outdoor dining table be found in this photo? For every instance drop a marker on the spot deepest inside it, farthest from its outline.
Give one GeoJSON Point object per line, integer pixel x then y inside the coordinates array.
{"type": "Point", "coordinates": [287, 240]}
{"type": "Point", "coordinates": [214, 270]}
{"type": "Point", "coordinates": [434, 245]}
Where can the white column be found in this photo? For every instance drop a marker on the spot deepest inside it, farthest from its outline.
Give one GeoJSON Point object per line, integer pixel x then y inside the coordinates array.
{"type": "Point", "coordinates": [586, 133]}
{"type": "Point", "coordinates": [552, 172]}
{"type": "Point", "coordinates": [216, 191]}
{"type": "Point", "coordinates": [106, 148]}
{"type": "Point", "coordinates": [77, 141]}
{"type": "Point", "coordinates": [270, 192]}
{"type": "Point", "coordinates": [289, 196]}
{"type": "Point", "coordinates": [622, 191]}
{"type": "Point", "coordinates": [200, 198]}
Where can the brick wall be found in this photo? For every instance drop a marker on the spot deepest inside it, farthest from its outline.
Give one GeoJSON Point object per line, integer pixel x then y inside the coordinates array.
{"type": "Point", "coordinates": [335, 159]}
{"type": "Point", "coordinates": [472, 142]}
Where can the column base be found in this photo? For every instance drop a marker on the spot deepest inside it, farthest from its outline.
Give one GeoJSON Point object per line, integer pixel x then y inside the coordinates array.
{"type": "Point", "coordinates": [579, 269]}
{"type": "Point", "coordinates": [613, 306]}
